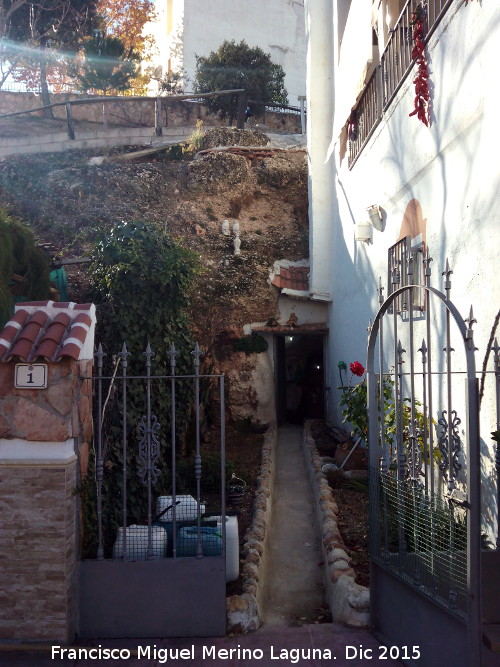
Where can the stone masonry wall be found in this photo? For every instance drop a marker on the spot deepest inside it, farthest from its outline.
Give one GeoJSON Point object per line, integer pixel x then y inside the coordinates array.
{"type": "Point", "coordinates": [38, 552]}
{"type": "Point", "coordinates": [38, 531]}
{"type": "Point", "coordinates": [141, 112]}
{"type": "Point", "coordinates": [243, 612]}
{"type": "Point", "coordinates": [57, 413]}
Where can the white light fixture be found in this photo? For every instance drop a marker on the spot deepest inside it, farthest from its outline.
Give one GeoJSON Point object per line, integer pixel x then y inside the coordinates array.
{"type": "Point", "coordinates": [376, 218]}
{"type": "Point", "coordinates": [363, 231]}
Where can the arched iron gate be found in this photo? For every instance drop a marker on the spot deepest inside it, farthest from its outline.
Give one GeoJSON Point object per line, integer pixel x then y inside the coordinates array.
{"type": "Point", "coordinates": [424, 452]}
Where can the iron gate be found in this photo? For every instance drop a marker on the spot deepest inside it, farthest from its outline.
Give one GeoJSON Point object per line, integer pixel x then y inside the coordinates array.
{"type": "Point", "coordinates": [154, 537]}
{"type": "Point", "coordinates": [425, 514]}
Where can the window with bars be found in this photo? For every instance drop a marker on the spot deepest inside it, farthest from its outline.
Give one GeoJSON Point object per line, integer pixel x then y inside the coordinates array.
{"type": "Point", "coordinates": [405, 267]}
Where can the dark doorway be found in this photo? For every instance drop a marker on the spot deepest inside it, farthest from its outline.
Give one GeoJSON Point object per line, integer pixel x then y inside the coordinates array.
{"type": "Point", "coordinates": [300, 380]}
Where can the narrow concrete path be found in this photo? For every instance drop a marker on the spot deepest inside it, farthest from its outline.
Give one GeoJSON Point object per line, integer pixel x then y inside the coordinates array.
{"type": "Point", "coordinates": [294, 590]}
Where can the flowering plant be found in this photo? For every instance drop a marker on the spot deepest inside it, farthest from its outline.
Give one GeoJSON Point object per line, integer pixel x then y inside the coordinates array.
{"type": "Point", "coordinates": [357, 368]}
{"type": "Point", "coordinates": [354, 398]}
{"type": "Point", "coordinates": [354, 403]}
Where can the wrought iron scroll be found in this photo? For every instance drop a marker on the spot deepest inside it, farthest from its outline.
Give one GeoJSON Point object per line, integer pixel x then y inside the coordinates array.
{"type": "Point", "coordinates": [445, 447]}
{"type": "Point", "coordinates": [149, 450]}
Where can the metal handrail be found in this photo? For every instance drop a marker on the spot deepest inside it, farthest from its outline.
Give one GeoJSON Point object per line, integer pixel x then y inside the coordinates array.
{"type": "Point", "coordinates": [158, 100]}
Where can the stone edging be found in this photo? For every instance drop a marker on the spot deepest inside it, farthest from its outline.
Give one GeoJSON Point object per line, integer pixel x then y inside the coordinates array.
{"type": "Point", "coordinates": [349, 602]}
{"type": "Point", "coordinates": [243, 611]}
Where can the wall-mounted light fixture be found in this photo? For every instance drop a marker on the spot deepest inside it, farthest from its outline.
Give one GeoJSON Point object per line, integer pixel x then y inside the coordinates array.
{"type": "Point", "coordinates": [363, 231]}
{"type": "Point", "coordinates": [376, 217]}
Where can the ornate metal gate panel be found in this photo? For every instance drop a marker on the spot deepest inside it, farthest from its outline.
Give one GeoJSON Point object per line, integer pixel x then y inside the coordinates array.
{"type": "Point", "coordinates": [424, 450]}
{"type": "Point", "coordinates": [154, 560]}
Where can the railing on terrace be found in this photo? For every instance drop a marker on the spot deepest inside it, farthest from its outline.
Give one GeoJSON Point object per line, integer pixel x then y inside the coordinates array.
{"type": "Point", "coordinates": [157, 101]}
{"type": "Point", "coordinates": [395, 64]}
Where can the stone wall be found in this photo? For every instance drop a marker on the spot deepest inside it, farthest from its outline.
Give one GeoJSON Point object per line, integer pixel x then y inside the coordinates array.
{"type": "Point", "coordinates": [38, 552]}
{"type": "Point", "coordinates": [141, 112]}
{"type": "Point", "coordinates": [44, 436]}
{"type": "Point", "coordinates": [244, 611]}
{"type": "Point", "coordinates": [349, 602]}
{"type": "Point", "coordinates": [54, 414]}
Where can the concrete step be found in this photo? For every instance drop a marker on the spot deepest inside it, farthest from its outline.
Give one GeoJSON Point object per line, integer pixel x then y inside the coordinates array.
{"type": "Point", "coordinates": [491, 636]}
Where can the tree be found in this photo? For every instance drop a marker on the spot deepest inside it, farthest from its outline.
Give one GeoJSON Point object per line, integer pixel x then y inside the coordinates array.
{"type": "Point", "coordinates": [239, 66]}
{"type": "Point", "coordinates": [45, 29]}
{"type": "Point", "coordinates": [126, 19]}
{"type": "Point", "coordinates": [106, 64]}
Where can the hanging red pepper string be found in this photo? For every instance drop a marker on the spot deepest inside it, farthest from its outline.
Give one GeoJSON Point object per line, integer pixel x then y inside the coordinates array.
{"type": "Point", "coordinates": [422, 80]}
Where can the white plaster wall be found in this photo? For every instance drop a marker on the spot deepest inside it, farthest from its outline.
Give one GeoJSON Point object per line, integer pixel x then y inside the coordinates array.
{"type": "Point", "coordinates": [322, 196]}
{"type": "Point", "coordinates": [277, 27]}
{"type": "Point", "coordinates": [307, 311]}
{"type": "Point", "coordinates": [452, 169]}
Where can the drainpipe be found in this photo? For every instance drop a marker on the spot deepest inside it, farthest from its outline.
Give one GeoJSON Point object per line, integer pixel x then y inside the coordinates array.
{"type": "Point", "coordinates": [320, 100]}
{"type": "Point", "coordinates": [302, 100]}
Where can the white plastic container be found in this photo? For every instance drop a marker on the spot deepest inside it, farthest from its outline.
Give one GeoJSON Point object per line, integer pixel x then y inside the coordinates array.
{"type": "Point", "coordinates": [137, 542]}
{"type": "Point", "coordinates": [232, 545]}
{"type": "Point", "coordinates": [186, 508]}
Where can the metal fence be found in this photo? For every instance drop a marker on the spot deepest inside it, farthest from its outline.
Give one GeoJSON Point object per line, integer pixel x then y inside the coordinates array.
{"type": "Point", "coordinates": [425, 466]}
{"type": "Point", "coordinates": [395, 64]}
{"type": "Point", "coordinates": [153, 497]}
{"type": "Point", "coordinates": [159, 544]}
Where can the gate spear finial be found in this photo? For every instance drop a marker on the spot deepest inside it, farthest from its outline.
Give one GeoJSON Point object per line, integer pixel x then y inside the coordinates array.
{"type": "Point", "coordinates": [496, 351]}
{"type": "Point", "coordinates": [469, 334]}
{"type": "Point", "coordinates": [447, 283]}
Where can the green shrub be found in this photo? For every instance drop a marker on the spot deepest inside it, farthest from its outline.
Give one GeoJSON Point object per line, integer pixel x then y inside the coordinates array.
{"type": "Point", "coordinates": [251, 344]}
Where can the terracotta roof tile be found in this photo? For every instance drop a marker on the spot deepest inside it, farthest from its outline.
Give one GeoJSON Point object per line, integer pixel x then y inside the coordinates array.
{"type": "Point", "coordinates": [69, 350]}
{"type": "Point", "coordinates": [36, 331]}
{"type": "Point", "coordinates": [292, 277]}
{"type": "Point", "coordinates": [47, 349]}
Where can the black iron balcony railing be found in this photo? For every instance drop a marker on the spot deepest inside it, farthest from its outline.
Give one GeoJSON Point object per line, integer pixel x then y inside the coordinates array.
{"type": "Point", "coordinates": [395, 64]}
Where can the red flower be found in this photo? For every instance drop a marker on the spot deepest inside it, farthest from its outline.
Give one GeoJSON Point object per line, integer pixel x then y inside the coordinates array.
{"type": "Point", "coordinates": [357, 368]}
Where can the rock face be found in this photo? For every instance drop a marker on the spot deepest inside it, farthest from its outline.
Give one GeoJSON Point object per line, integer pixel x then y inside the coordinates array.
{"type": "Point", "coordinates": [250, 383]}
{"type": "Point", "coordinates": [262, 194]}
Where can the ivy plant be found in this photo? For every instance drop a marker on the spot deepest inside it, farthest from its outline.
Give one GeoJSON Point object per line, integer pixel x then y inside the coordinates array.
{"type": "Point", "coordinates": [141, 280]}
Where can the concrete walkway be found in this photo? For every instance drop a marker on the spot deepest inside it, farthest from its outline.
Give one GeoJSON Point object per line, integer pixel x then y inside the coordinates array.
{"type": "Point", "coordinates": [294, 591]}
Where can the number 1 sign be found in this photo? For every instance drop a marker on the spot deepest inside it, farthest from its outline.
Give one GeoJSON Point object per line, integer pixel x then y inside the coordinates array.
{"type": "Point", "coordinates": [30, 376]}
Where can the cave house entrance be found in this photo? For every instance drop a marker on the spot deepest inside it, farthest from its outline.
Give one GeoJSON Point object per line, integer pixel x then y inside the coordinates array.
{"type": "Point", "coordinates": [300, 377]}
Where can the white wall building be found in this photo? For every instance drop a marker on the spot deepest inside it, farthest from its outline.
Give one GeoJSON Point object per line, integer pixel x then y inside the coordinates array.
{"type": "Point", "coordinates": [186, 28]}
{"type": "Point", "coordinates": [436, 185]}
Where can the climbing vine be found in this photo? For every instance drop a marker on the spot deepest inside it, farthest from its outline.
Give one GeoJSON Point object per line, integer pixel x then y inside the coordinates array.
{"type": "Point", "coordinates": [141, 282]}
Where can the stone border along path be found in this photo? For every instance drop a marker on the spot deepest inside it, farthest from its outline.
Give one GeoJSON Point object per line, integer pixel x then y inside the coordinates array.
{"type": "Point", "coordinates": [348, 601]}
{"type": "Point", "coordinates": [243, 611]}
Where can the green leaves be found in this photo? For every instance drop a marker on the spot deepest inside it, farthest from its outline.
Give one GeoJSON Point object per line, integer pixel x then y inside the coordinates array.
{"type": "Point", "coordinates": [239, 66]}
{"type": "Point", "coordinates": [106, 64]}
{"type": "Point", "coordinates": [141, 280]}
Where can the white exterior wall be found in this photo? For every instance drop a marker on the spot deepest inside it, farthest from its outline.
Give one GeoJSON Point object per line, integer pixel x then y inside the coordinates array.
{"type": "Point", "coordinates": [452, 170]}
{"type": "Point", "coordinates": [199, 27]}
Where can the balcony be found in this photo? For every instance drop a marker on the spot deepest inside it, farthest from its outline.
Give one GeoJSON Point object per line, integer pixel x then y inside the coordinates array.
{"type": "Point", "coordinates": [396, 63]}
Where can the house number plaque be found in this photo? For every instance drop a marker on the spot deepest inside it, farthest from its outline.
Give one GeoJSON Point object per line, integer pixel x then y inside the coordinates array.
{"type": "Point", "coordinates": [30, 376]}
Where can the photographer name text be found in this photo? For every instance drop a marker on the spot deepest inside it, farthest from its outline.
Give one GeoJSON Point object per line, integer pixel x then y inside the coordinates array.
{"type": "Point", "coordinates": [212, 652]}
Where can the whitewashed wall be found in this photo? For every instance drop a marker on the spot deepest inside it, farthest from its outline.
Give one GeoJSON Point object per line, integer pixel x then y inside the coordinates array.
{"type": "Point", "coordinates": [452, 169]}
{"type": "Point", "coordinates": [200, 27]}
